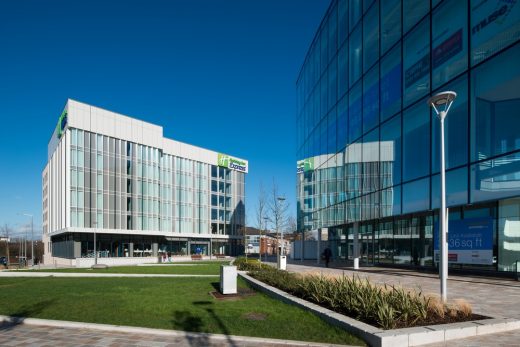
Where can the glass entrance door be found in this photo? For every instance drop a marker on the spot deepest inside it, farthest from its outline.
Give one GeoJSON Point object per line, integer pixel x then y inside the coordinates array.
{"type": "Point", "coordinates": [366, 244]}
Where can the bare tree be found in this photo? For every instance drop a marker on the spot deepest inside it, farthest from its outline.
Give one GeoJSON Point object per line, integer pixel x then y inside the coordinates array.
{"type": "Point", "coordinates": [278, 209]}
{"type": "Point", "coordinates": [5, 231]}
{"type": "Point", "coordinates": [291, 225]}
{"type": "Point", "coordinates": [261, 208]}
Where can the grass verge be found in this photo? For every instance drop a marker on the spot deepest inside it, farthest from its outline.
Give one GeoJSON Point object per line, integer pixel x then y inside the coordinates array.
{"type": "Point", "coordinates": [180, 303]}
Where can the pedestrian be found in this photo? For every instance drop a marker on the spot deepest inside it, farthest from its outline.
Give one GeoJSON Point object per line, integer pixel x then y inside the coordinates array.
{"type": "Point", "coordinates": [327, 254]}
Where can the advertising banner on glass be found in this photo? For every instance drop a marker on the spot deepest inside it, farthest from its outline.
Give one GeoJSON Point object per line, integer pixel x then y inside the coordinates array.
{"type": "Point", "coordinates": [495, 24]}
{"type": "Point", "coordinates": [470, 241]}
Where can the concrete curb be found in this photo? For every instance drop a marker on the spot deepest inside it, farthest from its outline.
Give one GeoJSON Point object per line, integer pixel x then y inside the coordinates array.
{"type": "Point", "coordinates": [397, 337]}
{"type": "Point", "coordinates": [90, 275]}
{"type": "Point", "coordinates": [190, 336]}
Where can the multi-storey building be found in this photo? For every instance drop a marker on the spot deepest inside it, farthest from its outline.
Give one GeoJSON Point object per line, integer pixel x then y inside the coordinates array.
{"type": "Point", "coordinates": [139, 194]}
{"type": "Point", "coordinates": [368, 143]}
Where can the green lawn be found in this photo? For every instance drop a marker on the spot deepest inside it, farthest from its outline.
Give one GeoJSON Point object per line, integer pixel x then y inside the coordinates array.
{"type": "Point", "coordinates": [197, 268]}
{"type": "Point", "coordinates": [180, 303]}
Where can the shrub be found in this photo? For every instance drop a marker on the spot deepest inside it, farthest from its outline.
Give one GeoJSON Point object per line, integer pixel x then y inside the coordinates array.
{"type": "Point", "coordinates": [385, 306]}
{"type": "Point", "coordinates": [249, 264]}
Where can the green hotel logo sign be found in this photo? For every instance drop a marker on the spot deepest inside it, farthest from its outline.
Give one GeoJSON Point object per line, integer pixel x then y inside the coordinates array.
{"type": "Point", "coordinates": [229, 162]}
{"type": "Point", "coordinates": [62, 122]}
{"type": "Point", "coordinates": [305, 165]}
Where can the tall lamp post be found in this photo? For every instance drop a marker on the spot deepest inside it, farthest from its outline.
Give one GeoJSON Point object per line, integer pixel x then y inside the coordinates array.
{"type": "Point", "coordinates": [32, 238]}
{"type": "Point", "coordinates": [441, 104]}
{"type": "Point", "coordinates": [282, 248]}
{"type": "Point", "coordinates": [95, 241]}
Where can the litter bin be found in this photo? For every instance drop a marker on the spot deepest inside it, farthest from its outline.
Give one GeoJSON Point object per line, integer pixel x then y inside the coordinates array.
{"type": "Point", "coordinates": [228, 279]}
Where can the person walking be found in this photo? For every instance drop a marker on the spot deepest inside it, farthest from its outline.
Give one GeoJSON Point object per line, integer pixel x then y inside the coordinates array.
{"type": "Point", "coordinates": [327, 254]}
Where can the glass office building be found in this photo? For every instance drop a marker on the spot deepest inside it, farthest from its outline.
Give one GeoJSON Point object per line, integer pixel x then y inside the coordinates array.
{"type": "Point", "coordinates": [368, 143]}
{"type": "Point", "coordinates": [145, 195]}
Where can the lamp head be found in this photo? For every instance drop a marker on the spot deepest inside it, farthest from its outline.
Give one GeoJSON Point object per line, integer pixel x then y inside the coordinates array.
{"type": "Point", "coordinates": [442, 99]}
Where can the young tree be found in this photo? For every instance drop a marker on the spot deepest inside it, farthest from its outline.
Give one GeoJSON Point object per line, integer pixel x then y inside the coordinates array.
{"type": "Point", "coordinates": [278, 209]}
{"type": "Point", "coordinates": [261, 209]}
{"type": "Point", "coordinates": [5, 232]}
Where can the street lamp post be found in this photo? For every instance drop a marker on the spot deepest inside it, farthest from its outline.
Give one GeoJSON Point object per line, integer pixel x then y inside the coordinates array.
{"type": "Point", "coordinates": [265, 228]}
{"type": "Point", "coordinates": [280, 233]}
{"type": "Point", "coordinates": [95, 241]}
{"type": "Point", "coordinates": [445, 100]}
{"type": "Point", "coordinates": [32, 239]}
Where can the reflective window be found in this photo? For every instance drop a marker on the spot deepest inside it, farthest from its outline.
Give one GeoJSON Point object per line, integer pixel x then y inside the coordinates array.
{"type": "Point", "coordinates": [342, 123]}
{"type": "Point", "coordinates": [391, 201]}
{"type": "Point", "coordinates": [390, 149]}
{"type": "Point", "coordinates": [416, 136]}
{"type": "Point", "coordinates": [355, 13]}
{"type": "Point", "coordinates": [333, 83]}
{"type": "Point", "coordinates": [413, 11]}
{"type": "Point", "coordinates": [354, 112]}
{"type": "Point", "coordinates": [324, 38]}
{"type": "Point", "coordinates": [449, 43]}
{"type": "Point", "coordinates": [456, 188]}
{"type": "Point", "coordinates": [371, 99]}
{"type": "Point", "coordinates": [416, 51]}
{"type": "Point", "coordinates": [496, 178]}
{"type": "Point", "coordinates": [331, 131]}
{"type": "Point", "coordinates": [495, 24]}
{"type": "Point", "coordinates": [402, 242]}
{"type": "Point", "coordinates": [370, 160]}
{"type": "Point", "coordinates": [455, 129]}
{"type": "Point", "coordinates": [390, 23]}
{"type": "Point", "coordinates": [343, 71]}
{"type": "Point", "coordinates": [508, 234]}
{"type": "Point", "coordinates": [391, 83]}
{"type": "Point", "coordinates": [416, 196]}
{"type": "Point", "coordinates": [333, 32]}
{"type": "Point", "coordinates": [355, 56]}
{"type": "Point", "coordinates": [342, 20]}
{"type": "Point", "coordinates": [371, 37]}
{"type": "Point", "coordinates": [495, 88]}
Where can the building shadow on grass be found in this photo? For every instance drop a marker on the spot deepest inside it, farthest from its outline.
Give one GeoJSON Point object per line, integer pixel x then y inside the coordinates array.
{"type": "Point", "coordinates": [24, 312]}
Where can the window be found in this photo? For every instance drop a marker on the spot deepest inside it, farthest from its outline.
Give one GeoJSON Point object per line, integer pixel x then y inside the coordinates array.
{"type": "Point", "coordinates": [496, 178]}
{"type": "Point", "coordinates": [342, 123]}
{"type": "Point", "coordinates": [333, 84]}
{"type": "Point", "coordinates": [331, 131]}
{"type": "Point", "coordinates": [494, 25]}
{"type": "Point", "coordinates": [416, 136]}
{"type": "Point", "coordinates": [416, 196]}
{"type": "Point", "coordinates": [456, 188]}
{"type": "Point", "coordinates": [355, 13]}
{"type": "Point", "coordinates": [391, 83]}
{"type": "Point", "coordinates": [355, 56]}
{"type": "Point", "coordinates": [354, 111]}
{"type": "Point", "coordinates": [495, 88]}
{"type": "Point", "coordinates": [508, 234]}
{"type": "Point", "coordinates": [416, 74]}
{"type": "Point", "coordinates": [371, 37]}
{"type": "Point", "coordinates": [449, 43]}
{"type": "Point", "coordinates": [371, 99]}
{"type": "Point", "coordinates": [343, 71]}
{"type": "Point", "coordinates": [390, 149]}
{"type": "Point", "coordinates": [370, 161]}
{"type": "Point", "coordinates": [342, 20]}
{"type": "Point", "coordinates": [333, 32]}
{"type": "Point", "coordinates": [324, 37]}
{"type": "Point", "coordinates": [455, 129]}
{"type": "Point", "coordinates": [391, 201]}
{"type": "Point", "coordinates": [413, 11]}
{"type": "Point", "coordinates": [390, 23]}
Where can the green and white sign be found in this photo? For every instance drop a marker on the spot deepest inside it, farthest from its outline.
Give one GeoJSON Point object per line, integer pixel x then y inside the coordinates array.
{"type": "Point", "coordinates": [229, 162]}
{"type": "Point", "coordinates": [305, 165]}
{"type": "Point", "coordinates": [62, 122]}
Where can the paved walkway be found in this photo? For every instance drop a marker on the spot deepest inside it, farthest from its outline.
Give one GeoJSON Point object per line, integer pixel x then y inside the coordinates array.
{"type": "Point", "coordinates": [489, 296]}
{"type": "Point", "coordinates": [52, 336]}
{"type": "Point", "coordinates": [88, 274]}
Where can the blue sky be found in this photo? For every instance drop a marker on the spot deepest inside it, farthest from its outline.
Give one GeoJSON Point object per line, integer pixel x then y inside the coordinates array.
{"type": "Point", "coordinates": [217, 74]}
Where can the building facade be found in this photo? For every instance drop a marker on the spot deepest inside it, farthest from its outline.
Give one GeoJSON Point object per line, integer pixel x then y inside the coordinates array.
{"type": "Point", "coordinates": [368, 143]}
{"type": "Point", "coordinates": [142, 194]}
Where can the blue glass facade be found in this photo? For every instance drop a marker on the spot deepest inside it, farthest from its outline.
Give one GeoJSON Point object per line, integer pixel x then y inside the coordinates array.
{"type": "Point", "coordinates": [371, 143]}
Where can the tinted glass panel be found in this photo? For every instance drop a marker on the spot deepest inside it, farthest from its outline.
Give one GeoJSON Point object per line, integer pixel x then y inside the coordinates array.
{"type": "Point", "coordinates": [450, 43]}
{"type": "Point", "coordinates": [390, 23]}
{"type": "Point", "coordinates": [391, 83]}
{"type": "Point", "coordinates": [495, 24]}
{"type": "Point", "coordinates": [391, 201]}
{"type": "Point", "coordinates": [456, 188]}
{"type": "Point", "coordinates": [354, 112]}
{"type": "Point", "coordinates": [355, 56]}
{"type": "Point", "coordinates": [343, 70]}
{"type": "Point", "coordinates": [416, 196]}
{"type": "Point", "coordinates": [342, 20]}
{"type": "Point", "coordinates": [342, 123]}
{"type": "Point", "coordinates": [371, 99]}
{"type": "Point", "coordinates": [413, 11]}
{"type": "Point", "coordinates": [416, 52]}
{"type": "Point", "coordinates": [495, 104]}
{"type": "Point", "coordinates": [370, 154]}
{"type": "Point", "coordinates": [371, 37]}
{"type": "Point", "coordinates": [355, 13]}
{"type": "Point", "coordinates": [496, 178]}
{"type": "Point", "coordinates": [416, 135]}
{"type": "Point", "coordinates": [390, 149]}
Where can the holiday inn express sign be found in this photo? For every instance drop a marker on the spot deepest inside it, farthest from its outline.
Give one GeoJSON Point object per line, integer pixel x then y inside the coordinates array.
{"type": "Point", "coordinates": [229, 162]}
